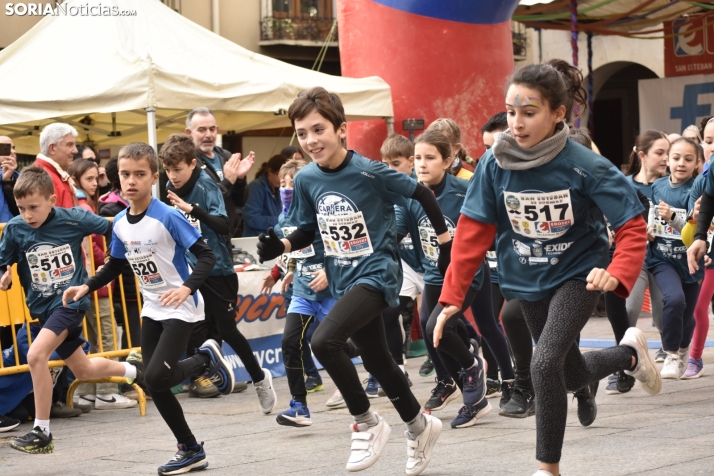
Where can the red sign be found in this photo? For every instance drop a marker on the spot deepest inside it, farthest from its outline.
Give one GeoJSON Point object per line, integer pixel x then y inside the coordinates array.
{"type": "Point", "coordinates": [690, 46]}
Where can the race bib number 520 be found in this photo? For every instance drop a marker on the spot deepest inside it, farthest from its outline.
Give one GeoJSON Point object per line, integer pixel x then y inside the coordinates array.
{"type": "Point", "coordinates": [543, 216]}
{"type": "Point", "coordinates": [145, 268]}
{"type": "Point", "coordinates": [345, 235]}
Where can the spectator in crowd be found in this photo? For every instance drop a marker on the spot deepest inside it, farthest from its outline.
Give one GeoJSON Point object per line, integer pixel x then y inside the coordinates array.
{"type": "Point", "coordinates": [291, 152]}
{"type": "Point", "coordinates": [263, 205]}
{"type": "Point", "coordinates": [57, 148]}
{"type": "Point", "coordinates": [226, 169]}
{"type": "Point", "coordinates": [692, 132]}
{"type": "Point", "coordinates": [8, 163]}
{"type": "Point", "coordinates": [88, 152]}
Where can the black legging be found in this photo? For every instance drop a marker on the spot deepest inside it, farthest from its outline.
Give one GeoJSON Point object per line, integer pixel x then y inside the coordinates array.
{"type": "Point", "coordinates": [358, 316]}
{"type": "Point", "coordinates": [394, 330]}
{"type": "Point", "coordinates": [497, 301]}
{"type": "Point", "coordinates": [518, 335]}
{"type": "Point", "coordinates": [162, 345]}
{"type": "Point", "coordinates": [296, 353]}
{"type": "Point", "coordinates": [219, 298]}
{"type": "Point", "coordinates": [617, 315]}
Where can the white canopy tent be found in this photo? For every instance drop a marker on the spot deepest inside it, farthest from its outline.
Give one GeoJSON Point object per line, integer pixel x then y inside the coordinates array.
{"type": "Point", "coordinates": [112, 76]}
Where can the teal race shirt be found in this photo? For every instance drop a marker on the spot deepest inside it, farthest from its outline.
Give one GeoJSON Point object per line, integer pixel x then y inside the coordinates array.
{"type": "Point", "coordinates": [549, 219]}
{"type": "Point", "coordinates": [411, 218]}
{"type": "Point", "coordinates": [695, 192]}
{"type": "Point", "coordinates": [206, 194]}
{"type": "Point", "coordinates": [49, 258]}
{"type": "Point", "coordinates": [309, 260]}
{"type": "Point", "coordinates": [410, 254]}
{"type": "Point", "coordinates": [353, 211]}
{"type": "Point", "coordinates": [667, 246]}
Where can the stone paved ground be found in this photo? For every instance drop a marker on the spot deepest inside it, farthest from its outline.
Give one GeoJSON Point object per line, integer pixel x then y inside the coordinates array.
{"type": "Point", "coordinates": [634, 434]}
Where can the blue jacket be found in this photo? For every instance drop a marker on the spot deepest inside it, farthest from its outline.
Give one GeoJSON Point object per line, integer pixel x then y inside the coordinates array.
{"type": "Point", "coordinates": [262, 209]}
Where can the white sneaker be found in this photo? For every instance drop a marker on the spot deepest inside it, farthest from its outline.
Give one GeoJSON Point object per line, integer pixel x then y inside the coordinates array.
{"type": "Point", "coordinates": [542, 472]}
{"type": "Point", "coordinates": [683, 360]}
{"type": "Point", "coordinates": [646, 370]}
{"type": "Point", "coordinates": [367, 444]}
{"type": "Point", "coordinates": [670, 368]}
{"type": "Point", "coordinates": [419, 450]}
{"type": "Point", "coordinates": [113, 401]}
{"type": "Point", "coordinates": [336, 400]}
{"type": "Point", "coordinates": [266, 392]}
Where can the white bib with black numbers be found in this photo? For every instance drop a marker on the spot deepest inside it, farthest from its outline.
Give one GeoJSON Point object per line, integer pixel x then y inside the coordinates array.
{"type": "Point", "coordinates": [542, 216]}
{"type": "Point", "coordinates": [662, 229]}
{"type": "Point", "coordinates": [345, 236]}
{"type": "Point", "coordinates": [54, 266]}
{"type": "Point", "coordinates": [306, 252]}
{"type": "Point", "coordinates": [145, 268]}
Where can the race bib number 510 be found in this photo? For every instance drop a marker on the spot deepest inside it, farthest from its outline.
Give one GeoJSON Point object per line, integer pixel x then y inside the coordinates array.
{"type": "Point", "coordinates": [345, 235]}
{"type": "Point", "coordinates": [542, 216]}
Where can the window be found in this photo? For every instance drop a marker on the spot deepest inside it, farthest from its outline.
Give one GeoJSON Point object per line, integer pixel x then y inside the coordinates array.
{"type": "Point", "coordinates": [302, 8]}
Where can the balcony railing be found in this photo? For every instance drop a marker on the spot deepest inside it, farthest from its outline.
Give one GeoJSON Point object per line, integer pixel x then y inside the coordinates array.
{"type": "Point", "coordinates": [304, 29]}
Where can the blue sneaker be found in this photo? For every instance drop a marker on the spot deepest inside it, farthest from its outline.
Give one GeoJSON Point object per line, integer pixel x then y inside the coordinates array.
{"type": "Point", "coordinates": [296, 415]}
{"type": "Point", "coordinates": [219, 370]}
{"type": "Point", "coordinates": [470, 414]}
{"type": "Point", "coordinates": [372, 388]}
{"type": "Point", "coordinates": [474, 383]}
{"type": "Point", "coordinates": [185, 460]}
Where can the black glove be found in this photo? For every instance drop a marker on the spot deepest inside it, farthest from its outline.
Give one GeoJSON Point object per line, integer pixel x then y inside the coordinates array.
{"type": "Point", "coordinates": [269, 247]}
{"type": "Point", "coordinates": [444, 257]}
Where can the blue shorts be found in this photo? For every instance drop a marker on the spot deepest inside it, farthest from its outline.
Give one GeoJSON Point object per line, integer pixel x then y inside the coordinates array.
{"type": "Point", "coordinates": [62, 319]}
{"type": "Point", "coordinates": [317, 309]}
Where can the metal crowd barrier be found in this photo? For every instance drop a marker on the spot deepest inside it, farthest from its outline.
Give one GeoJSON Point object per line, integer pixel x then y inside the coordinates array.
{"type": "Point", "coordinates": [13, 311]}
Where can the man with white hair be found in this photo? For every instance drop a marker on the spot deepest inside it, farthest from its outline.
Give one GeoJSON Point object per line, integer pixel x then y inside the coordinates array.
{"type": "Point", "coordinates": [226, 169]}
{"type": "Point", "coordinates": [57, 149]}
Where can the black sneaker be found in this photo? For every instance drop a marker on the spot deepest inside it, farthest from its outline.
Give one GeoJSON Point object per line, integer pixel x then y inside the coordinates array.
{"type": "Point", "coordinates": [587, 407]}
{"type": "Point", "coordinates": [202, 387]}
{"type": "Point", "coordinates": [313, 384]}
{"type": "Point", "coordinates": [625, 382]}
{"type": "Point", "coordinates": [135, 358]}
{"type": "Point", "coordinates": [493, 388]}
{"type": "Point", "coordinates": [185, 460]}
{"type": "Point", "coordinates": [441, 395]}
{"type": "Point", "coordinates": [427, 368]}
{"type": "Point", "coordinates": [660, 355]}
{"type": "Point", "coordinates": [219, 371]}
{"type": "Point", "coordinates": [611, 388]}
{"type": "Point", "coordinates": [506, 392]}
{"type": "Point", "coordinates": [8, 424]}
{"type": "Point", "coordinates": [35, 442]}
{"type": "Point", "coordinates": [521, 405]}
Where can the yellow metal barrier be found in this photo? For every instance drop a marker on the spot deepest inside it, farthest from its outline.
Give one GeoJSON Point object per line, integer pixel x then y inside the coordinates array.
{"type": "Point", "coordinates": [14, 311]}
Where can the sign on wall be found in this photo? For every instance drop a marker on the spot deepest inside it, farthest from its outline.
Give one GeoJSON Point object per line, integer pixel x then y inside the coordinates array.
{"type": "Point", "coordinates": [689, 46]}
{"type": "Point", "coordinates": [672, 104]}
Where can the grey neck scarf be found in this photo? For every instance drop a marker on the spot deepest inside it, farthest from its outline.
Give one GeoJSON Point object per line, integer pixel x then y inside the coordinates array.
{"type": "Point", "coordinates": [511, 156]}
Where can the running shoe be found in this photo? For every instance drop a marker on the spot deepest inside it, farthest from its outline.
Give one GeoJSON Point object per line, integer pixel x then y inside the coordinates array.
{"type": "Point", "coordinates": [336, 400]}
{"type": "Point", "coordinates": [695, 369]}
{"type": "Point", "coordinates": [427, 368]}
{"type": "Point", "coordinates": [372, 388]}
{"type": "Point", "coordinates": [470, 414]}
{"type": "Point", "coordinates": [625, 382]}
{"type": "Point", "coordinates": [645, 371]}
{"type": "Point", "coordinates": [419, 449]}
{"type": "Point", "coordinates": [611, 388]}
{"type": "Point", "coordinates": [475, 346]}
{"type": "Point", "coordinates": [296, 415]}
{"type": "Point", "coordinates": [240, 387]}
{"type": "Point", "coordinates": [683, 360]}
{"type": "Point", "coordinates": [314, 384]}
{"type": "Point", "coordinates": [506, 392]}
{"type": "Point", "coordinates": [84, 402]}
{"type": "Point", "coordinates": [35, 442]}
{"type": "Point", "coordinates": [493, 388]}
{"type": "Point", "coordinates": [201, 387]}
{"type": "Point", "coordinates": [660, 355]}
{"type": "Point", "coordinates": [185, 460]}
{"type": "Point", "coordinates": [671, 367]}
{"type": "Point", "coordinates": [442, 394]}
{"type": "Point", "coordinates": [219, 371]}
{"type": "Point", "coordinates": [542, 472]}
{"type": "Point", "coordinates": [8, 424]}
{"type": "Point", "coordinates": [113, 401]}
{"type": "Point", "coordinates": [266, 392]}
{"type": "Point", "coordinates": [381, 391]}
{"type": "Point", "coordinates": [137, 360]}
{"type": "Point", "coordinates": [60, 410]}
{"type": "Point", "coordinates": [521, 405]}
{"type": "Point", "coordinates": [367, 444]}
{"type": "Point", "coordinates": [474, 383]}
{"type": "Point", "coordinates": [587, 407]}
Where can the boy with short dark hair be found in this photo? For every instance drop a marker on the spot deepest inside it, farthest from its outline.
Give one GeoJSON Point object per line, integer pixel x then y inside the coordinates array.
{"type": "Point", "coordinates": [46, 243]}
{"type": "Point", "coordinates": [154, 238]}
{"type": "Point", "coordinates": [496, 123]}
{"type": "Point", "coordinates": [194, 193]}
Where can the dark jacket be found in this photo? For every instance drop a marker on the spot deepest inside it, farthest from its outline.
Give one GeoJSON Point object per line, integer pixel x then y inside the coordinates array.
{"type": "Point", "coordinates": [262, 208]}
{"type": "Point", "coordinates": [233, 194]}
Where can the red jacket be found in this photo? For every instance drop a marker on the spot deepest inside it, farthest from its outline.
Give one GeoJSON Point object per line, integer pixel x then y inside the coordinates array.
{"type": "Point", "coordinates": [63, 190]}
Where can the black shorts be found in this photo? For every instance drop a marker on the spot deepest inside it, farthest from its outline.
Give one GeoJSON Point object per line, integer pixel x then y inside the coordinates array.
{"type": "Point", "coordinates": [62, 319]}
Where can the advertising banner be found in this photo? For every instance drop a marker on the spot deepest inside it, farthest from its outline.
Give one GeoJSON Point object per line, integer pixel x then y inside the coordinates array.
{"type": "Point", "coordinates": [672, 104]}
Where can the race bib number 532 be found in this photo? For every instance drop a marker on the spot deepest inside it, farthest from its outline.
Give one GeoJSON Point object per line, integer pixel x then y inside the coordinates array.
{"type": "Point", "coordinates": [542, 216]}
{"type": "Point", "coordinates": [345, 235]}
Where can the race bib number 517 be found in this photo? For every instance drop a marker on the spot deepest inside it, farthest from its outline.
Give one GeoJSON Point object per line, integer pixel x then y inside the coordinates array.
{"type": "Point", "coordinates": [542, 216]}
